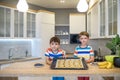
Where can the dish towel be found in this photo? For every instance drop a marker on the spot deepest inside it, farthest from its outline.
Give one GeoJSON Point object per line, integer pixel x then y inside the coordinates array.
{"type": "Point", "coordinates": [83, 78]}
{"type": "Point", "coordinates": [58, 78]}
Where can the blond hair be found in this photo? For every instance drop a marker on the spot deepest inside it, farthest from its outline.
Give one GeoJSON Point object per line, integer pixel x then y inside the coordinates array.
{"type": "Point", "coordinates": [83, 33]}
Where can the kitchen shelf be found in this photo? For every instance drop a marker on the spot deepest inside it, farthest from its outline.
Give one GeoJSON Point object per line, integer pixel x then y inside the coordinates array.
{"type": "Point", "coordinates": [62, 32]}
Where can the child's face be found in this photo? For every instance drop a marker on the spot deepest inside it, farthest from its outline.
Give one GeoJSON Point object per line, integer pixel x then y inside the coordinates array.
{"type": "Point", "coordinates": [84, 40]}
{"type": "Point", "coordinates": [54, 45]}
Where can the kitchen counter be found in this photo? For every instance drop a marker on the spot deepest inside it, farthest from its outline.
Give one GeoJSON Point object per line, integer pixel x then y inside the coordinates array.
{"type": "Point", "coordinates": [7, 61]}
{"type": "Point", "coordinates": [28, 69]}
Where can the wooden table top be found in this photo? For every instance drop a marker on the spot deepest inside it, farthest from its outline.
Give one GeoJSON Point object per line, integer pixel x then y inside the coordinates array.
{"type": "Point", "coordinates": [28, 68]}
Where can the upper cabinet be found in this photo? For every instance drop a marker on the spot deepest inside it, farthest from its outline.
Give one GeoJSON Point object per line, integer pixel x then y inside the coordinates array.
{"type": "Point", "coordinates": [18, 24]}
{"type": "Point", "coordinates": [103, 17]}
{"type": "Point", "coordinates": [108, 17]}
{"type": "Point", "coordinates": [15, 24]}
{"type": "Point", "coordinates": [112, 17]}
{"type": "Point", "coordinates": [45, 23]}
{"type": "Point", "coordinates": [46, 17]}
{"type": "Point", "coordinates": [77, 23]}
{"type": "Point", "coordinates": [92, 22]}
{"type": "Point", "coordinates": [5, 22]}
{"type": "Point", "coordinates": [31, 25]}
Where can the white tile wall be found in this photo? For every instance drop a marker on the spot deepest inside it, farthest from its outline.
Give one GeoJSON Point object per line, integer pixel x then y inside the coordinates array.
{"type": "Point", "coordinates": [19, 48]}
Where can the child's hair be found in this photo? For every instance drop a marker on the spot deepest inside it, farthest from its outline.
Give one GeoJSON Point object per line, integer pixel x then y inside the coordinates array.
{"type": "Point", "coordinates": [55, 39]}
{"type": "Point", "coordinates": [83, 33]}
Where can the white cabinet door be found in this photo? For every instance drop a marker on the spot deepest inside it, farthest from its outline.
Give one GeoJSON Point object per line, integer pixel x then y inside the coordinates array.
{"type": "Point", "coordinates": [24, 24]}
{"type": "Point", "coordinates": [5, 22]}
{"type": "Point", "coordinates": [77, 23]}
{"type": "Point", "coordinates": [45, 30]}
{"type": "Point", "coordinates": [34, 78]}
{"type": "Point", "coordinates": [47, 17]}
{"type": "Point", "coordinates": [92, 22]}
{"type": "Point", "coordinates": [15, 24]}
{"type": "Point", "coordinates": [18, 24]}
{"type": "Point", "coordinates": [31, 25]}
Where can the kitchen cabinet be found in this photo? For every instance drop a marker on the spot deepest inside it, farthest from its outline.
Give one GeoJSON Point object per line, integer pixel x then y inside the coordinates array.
{"type": "Point", "coordinates": [5, 22]}
{"type": "Point", "coordinates": [108, 17]}
{"type": "Point", "coordinates": [103, 19]}
{"type": "Point", "coordinates": [24, 24]}
{"type": "Point", "coordinates": [46, 17]}
{"type": "Point", "coordinates": [62, 32]}
{"type": "Point", "coordinates": [18, 24]}
{"type": "Point", "coordinates": [112, 16]}
{"type": "Point", "coordinates": [15, 24]}
{"type": "Point", "coordinates": [31, 25]}
{"type": "Point", "coordinates": [34, 78]}
{"type": "Point", "coordinates": [92, 22]}
{"type": "Point", "coordinates": [45, 28]}
{"type": "Point", "coordinates": [8, 78]}
{"type": "Point", "coordinates": [77, 23]}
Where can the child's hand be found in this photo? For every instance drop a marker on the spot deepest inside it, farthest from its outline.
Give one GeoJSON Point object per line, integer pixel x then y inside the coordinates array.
{"type": "Point", "coordinates": [65, 56]}
{"type": "Point", "coordinates": [49, 60]}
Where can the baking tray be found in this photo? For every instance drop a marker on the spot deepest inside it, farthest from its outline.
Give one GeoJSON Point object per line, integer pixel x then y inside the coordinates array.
{"type": "Point", "coordinates": [55, 64]}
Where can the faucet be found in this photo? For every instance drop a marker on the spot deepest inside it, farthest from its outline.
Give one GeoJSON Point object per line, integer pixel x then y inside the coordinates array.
{"type": "Point", "coordinates": [10, 53]}
{"type": "Point", "coordinates": [26, 53]}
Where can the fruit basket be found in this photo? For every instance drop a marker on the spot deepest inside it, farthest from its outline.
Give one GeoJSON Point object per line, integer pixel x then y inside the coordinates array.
{"type": "Point", "coordinates": [69, 63]}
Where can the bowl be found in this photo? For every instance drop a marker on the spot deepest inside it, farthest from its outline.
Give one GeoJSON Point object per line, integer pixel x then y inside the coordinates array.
{"type": "Point", "coordinates": [110, 58]}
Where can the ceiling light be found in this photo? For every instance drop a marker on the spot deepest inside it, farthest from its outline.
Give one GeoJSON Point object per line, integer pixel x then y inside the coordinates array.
{"type": "Point", "coordinates": [62, 1]}
{"type": "Point", "coordinates": [22, 6]}
{"type": "Point", "coordinates": [82, 6]}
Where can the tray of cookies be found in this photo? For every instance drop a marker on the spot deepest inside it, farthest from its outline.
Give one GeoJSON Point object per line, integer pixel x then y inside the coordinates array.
{"type": "Point", "coordinates": [69, 63]}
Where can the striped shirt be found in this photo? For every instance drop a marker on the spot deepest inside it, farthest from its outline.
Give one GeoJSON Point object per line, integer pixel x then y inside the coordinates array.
{"type": "Point", "coordinates": [49, 53]}
{"type": "Point", "coordinates": [86, 52]}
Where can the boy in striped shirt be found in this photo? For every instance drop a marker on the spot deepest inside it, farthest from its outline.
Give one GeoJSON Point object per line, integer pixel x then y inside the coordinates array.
{"type": "Point", "coordinates": [84, 50]}
{"type": "Point", "coordinates": [54, 51]}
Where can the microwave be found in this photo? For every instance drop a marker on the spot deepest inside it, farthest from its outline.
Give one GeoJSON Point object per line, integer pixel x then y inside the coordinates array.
{"type": "Point", "coordinates": [74, 39]}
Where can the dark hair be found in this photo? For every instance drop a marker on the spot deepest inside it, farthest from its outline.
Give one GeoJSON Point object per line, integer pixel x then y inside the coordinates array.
{"type": "Point", "coordinates": [83, 33]}
{"type": "Point", "coordinates": [55, 39]}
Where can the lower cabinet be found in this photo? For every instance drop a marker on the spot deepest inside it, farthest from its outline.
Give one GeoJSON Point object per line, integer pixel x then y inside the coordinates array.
{"type": "Point", "coordinates": [34, 78]}
{"type": "Point", "coordinates": [8, 78]}
{"type": "Point", "coordinates": [67, 77]}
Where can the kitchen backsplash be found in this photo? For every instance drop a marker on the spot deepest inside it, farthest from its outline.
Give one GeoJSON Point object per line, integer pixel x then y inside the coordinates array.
{"type": "Point", "coordinates": [17, 48]}
{"type": "Point", "coordinates": [14, 48]}
{"type": "Point", "coordinates": [22, 48]}
{"type": "Point", "coordinates": [95, 43]}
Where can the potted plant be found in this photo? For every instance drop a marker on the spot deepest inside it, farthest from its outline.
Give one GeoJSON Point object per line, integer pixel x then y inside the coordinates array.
{"type": "Point", "coordinates": [114, 46]}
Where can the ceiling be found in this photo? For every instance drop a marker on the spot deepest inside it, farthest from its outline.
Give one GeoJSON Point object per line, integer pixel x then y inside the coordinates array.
{"type": "Point", "coordinates": [54, 3]}
{"type": "Point", "coordinates": [48, 3]}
